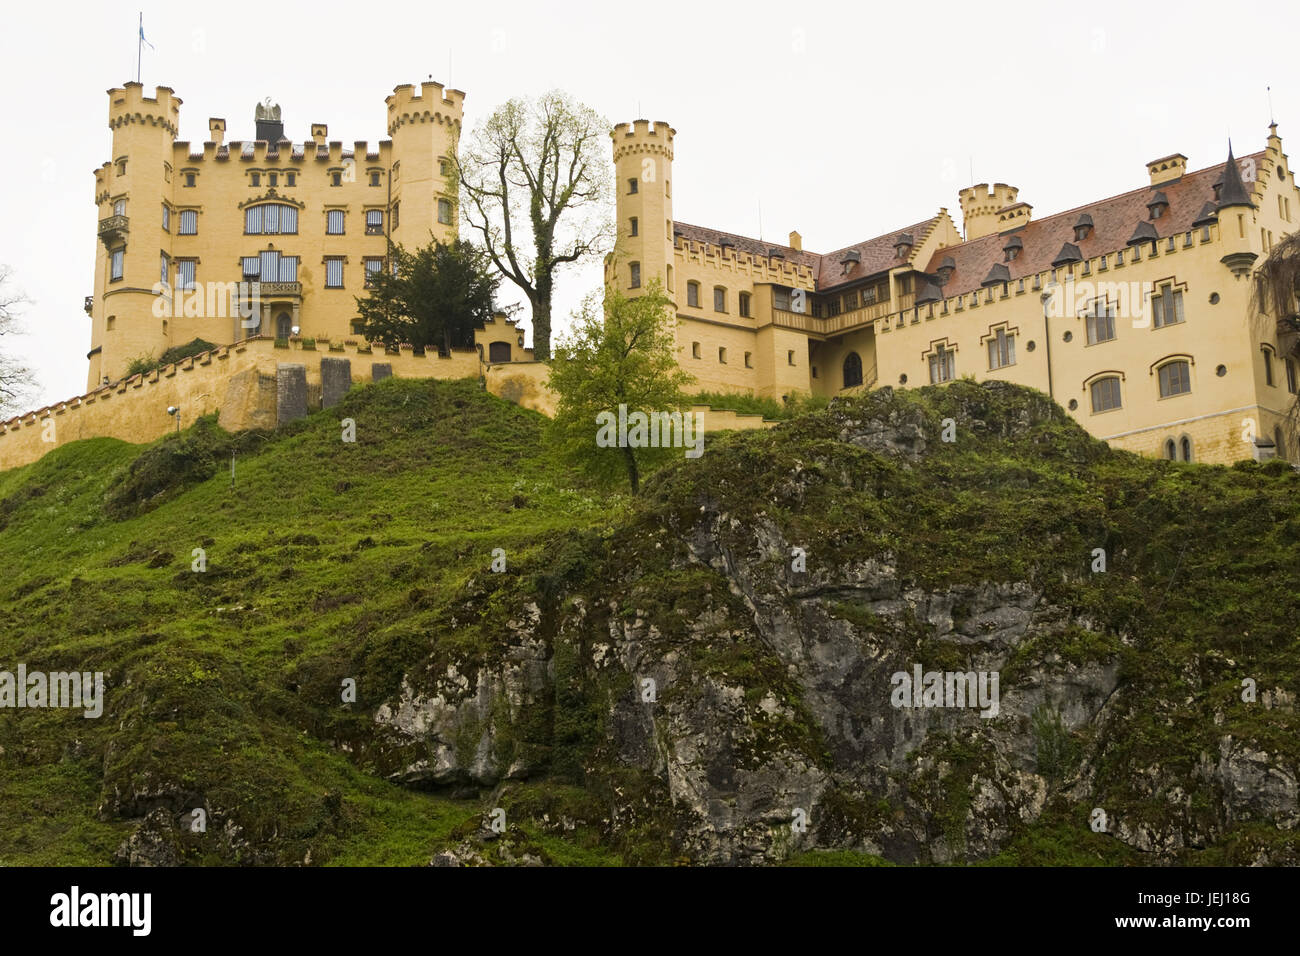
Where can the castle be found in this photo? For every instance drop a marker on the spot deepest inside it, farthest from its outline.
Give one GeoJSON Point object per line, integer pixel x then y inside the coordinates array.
{"type": "Point", "coordinates": [1133, 312]}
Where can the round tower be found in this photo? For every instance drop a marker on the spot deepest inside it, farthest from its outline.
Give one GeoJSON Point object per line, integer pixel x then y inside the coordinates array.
{"type": "Point", "coordinates": [424, 127]}
{"type": "Point", "coordinates": [643, 169]}
{"type": "Point", "coordinates": [130, 190]}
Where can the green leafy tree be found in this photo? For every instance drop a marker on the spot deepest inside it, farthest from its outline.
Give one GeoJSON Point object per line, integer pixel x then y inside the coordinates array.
{"type": "Point", "coordinates": [434, 297]}
{"type": "Point", "coordinates": [621, 351]}
{"type": "Point", "coordinates": [536, 183]}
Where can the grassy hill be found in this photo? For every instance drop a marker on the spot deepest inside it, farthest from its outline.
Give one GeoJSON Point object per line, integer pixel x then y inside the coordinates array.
{"type": "Point", "coordinates": [370, 561]}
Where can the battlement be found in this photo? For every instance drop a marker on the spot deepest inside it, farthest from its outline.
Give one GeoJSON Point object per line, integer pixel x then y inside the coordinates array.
{"type": "Point", "coordinates": [128, 104]}
{"type": "Point", "coordinates": [980, 206]}
{"type": "Point", "coordinates": [432, 104]}
{"type": "Point", "coordinates": [640, 136]}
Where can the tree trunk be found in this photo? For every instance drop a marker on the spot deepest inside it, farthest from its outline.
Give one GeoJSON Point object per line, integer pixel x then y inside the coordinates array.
{"type": "Point", "coordinates": [542, 319]}
{"type": "Point", "coordinates": [632, 474]}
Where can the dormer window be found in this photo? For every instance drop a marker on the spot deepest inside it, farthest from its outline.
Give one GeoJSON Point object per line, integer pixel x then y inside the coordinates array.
{"type": "Point", "coordinates": [903, 246]}
{"type": "Point", "coordinates": [946, 269]}
{"type": "Point", "coordinates": [1158, 205]}
{"type": "Point", "coordinates": [1083, 228]}
{"type": "Point", "coordinates": [1011, 251]}
{"type": "Point", "coordinates": [850, 258]}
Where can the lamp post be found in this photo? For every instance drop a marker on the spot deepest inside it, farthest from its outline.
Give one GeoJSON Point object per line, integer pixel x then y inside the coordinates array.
{"type": "Point", "coordinates": [175, 413]}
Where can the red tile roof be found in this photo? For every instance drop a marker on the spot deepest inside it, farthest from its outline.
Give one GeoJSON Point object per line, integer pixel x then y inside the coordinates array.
{"type": "Point", "coordinates": [1114, 221]}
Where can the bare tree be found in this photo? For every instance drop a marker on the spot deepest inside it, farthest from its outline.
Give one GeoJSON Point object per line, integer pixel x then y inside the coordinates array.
{"type": "Point", "coordinates": [536, 185]}
{"type": "Point", "coordinates": [1274, 307]}
{"type": "Point", "coordinates": [16, 380]}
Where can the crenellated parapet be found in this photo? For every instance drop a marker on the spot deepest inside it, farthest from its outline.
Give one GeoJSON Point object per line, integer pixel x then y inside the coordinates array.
{"type": "Point", "coordinates": [128, 105]}
{"type": "Point", "coordinates": [641, 138]}
{"type": "Point", "coordinates": [432, 104]}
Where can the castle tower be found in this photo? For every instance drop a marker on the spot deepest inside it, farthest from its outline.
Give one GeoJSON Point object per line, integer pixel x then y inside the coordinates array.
{"type": "Point", "coordinates": [129, 193]}
{"type": "Point", "coordinates": [643, 169]}
{"type": "Point", "coordinates": [425, 129]}
{"type": "Point", "coordinates": [980, 206]}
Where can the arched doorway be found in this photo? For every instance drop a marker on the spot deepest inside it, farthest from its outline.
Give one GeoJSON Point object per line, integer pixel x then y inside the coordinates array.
{"type": "Point", "coordinates": [283, 325]}
{"type": "Point", "coordinates": [852, 370]}
{"type": "Point", "coordinates": [498, 352]}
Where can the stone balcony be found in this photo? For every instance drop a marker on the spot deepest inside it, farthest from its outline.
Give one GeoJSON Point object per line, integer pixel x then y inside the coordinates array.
{"type": "Point", "coordinates": [112, 230]}
{"type": "Point", "coordinates": [279, 290]}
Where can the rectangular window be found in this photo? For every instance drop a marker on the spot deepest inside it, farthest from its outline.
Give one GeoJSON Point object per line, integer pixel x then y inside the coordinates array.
{"type": "Point", "coordinates": [374, 179]}
{"type": "Point", "coordinates": [722, 356]}
{"type": "Point", "coordinates": [189, 179]}
{"type": "Point", "coordinates": [185, 273]}
{"type": "Point", "coordinates": [635, 269]}
{"type": "Point", "coordinates": [255, 178]}
{"type": "Point", "coordinates": [334, 222]}
{"type": "Point", "coordinates": [943, 365]}
{"type": "Point", "coordinates": [781, 299]}
{"type": "Point", "coordinates": [165, 270]}
{"type": "Point", "coordinates": [288, 220]}
{"type": "Point", "coordinates": [189, 222]}
{"type": "Point", "coordinates": [719, 299]}
{"type": "Point", "coordinates": [1105, 394]}
{"type": "Point", "coordinates": [291, 179]}
{"type": "Point", "coordinates": [270, 261]}
{"type": "Point", "coordinates": [115, 264]}
{"type": "Point", "coordinates": [850, 300]}
{"type": "Point", "coordinates": [1175, 379]}
{"type": "Point", "coordinates": [1002, 350]}
{"type": "Point", "coordinates": [374, 222]}
{"type": "Point", "coordinates": [695, 350]}
{"type": "Point", "coordinates": [1167, 307]}
{"type": "Point", "coordinates": [749, 360]}
{"type": "Point", "coordinates": [444, 211]}
{"type": "Point", "coordinates": [744, 304]}
{"type": "Point", "coordinates": [1101, 322]}
{"type": "Point", "coordinates": [693, 294]}
{"type": "Point", "coordinates": [119, 208]}
{"type": "Point", "coordinates": [396, 208]}
{"type": "Point", "coordinates": [253, 221]}
{"type": "Point", "coordinates": [274, 178]}
{"type": "Point", "coordinates": [167, 218]}
{"type": "Point", "coordinates": [1290, 376]}
{"type": "Point", "coordinates": [271, 219]}
{"type": "Point", "coordinates": [631, 186]}
{"type": "Point", "coordinates": [252, 267]}
{"type": "Point", "coordinates": [334, 273]}
{"type": "Point", "coordinates": [1268, 367]}
{"type": "Point", "coordinates": [336, 179]}
{"type": "Point", "coordinates": [373, 267]}
{"type": "Point", "coordinates": [288, 268]}
{"type": "Point", "coordinates": [789, 356]}
{"type": "Point", "coordinates": [633, 226]}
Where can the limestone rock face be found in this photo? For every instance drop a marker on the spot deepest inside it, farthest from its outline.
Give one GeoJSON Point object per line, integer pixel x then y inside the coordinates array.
{"type": "Point", "coordinates": [755, 705]}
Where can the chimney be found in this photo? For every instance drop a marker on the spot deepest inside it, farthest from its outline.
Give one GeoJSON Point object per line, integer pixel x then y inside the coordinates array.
{"type": "Point", "coordinates": [796, 242]}
{"type": "Point", "coordinates": [1167, 168]}
{"type": "Point", "coordinates": [216, 131]}
{"type": "Point", "coordinates": [319, 133]}
{"type": "Point", "coordinates": [985, 211]}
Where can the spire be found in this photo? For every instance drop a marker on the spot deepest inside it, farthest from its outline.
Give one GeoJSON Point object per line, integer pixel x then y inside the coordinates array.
{"type": "Point", "coordinates": [1234, 191]}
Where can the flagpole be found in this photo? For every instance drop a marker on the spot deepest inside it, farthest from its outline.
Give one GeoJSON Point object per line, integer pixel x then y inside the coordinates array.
{"type": "Point", "coordinates": [139, 47]}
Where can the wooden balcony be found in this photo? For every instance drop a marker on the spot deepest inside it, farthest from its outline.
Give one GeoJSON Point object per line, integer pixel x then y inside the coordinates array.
{"type": "Point", "coordinates": [838, 324]}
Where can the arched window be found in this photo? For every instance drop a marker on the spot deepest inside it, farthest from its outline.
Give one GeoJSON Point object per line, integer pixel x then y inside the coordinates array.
{"type": "Point", "coordinates": [1186, 445]}
{"type": "Point", "coordinates": [1175, 378]}
{"type": "Point", "coordinates": [852, 370]}
{"type": "Point", "coordinates": [1171, 451]}
{"type": "Point", "coordinates": [283, 326]}
{"type": "Point", "coordinates": [1106, 394]}
{"type": "Point", "coordinates": [271, 219]}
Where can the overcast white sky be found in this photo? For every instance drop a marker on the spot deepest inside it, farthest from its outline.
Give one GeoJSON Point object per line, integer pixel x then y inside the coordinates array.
{"type": "Point", "coordinates": [845, 120]}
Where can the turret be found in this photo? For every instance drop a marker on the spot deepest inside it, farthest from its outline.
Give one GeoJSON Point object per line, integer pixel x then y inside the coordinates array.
{"type": "Point", "coordinates": [129, 191]}
{"type": "Point", "coordinates": [1236, 220]}
{"type": "Point", "coordinates": [982, 209]}
{"type": "Point", "coordinates": [424, 127]}
{"type": "Point", "coordinates": [643, 169]}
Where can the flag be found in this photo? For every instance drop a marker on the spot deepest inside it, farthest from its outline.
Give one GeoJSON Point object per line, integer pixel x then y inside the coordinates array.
{"type": "Point", "coordinates": [142, 37]}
